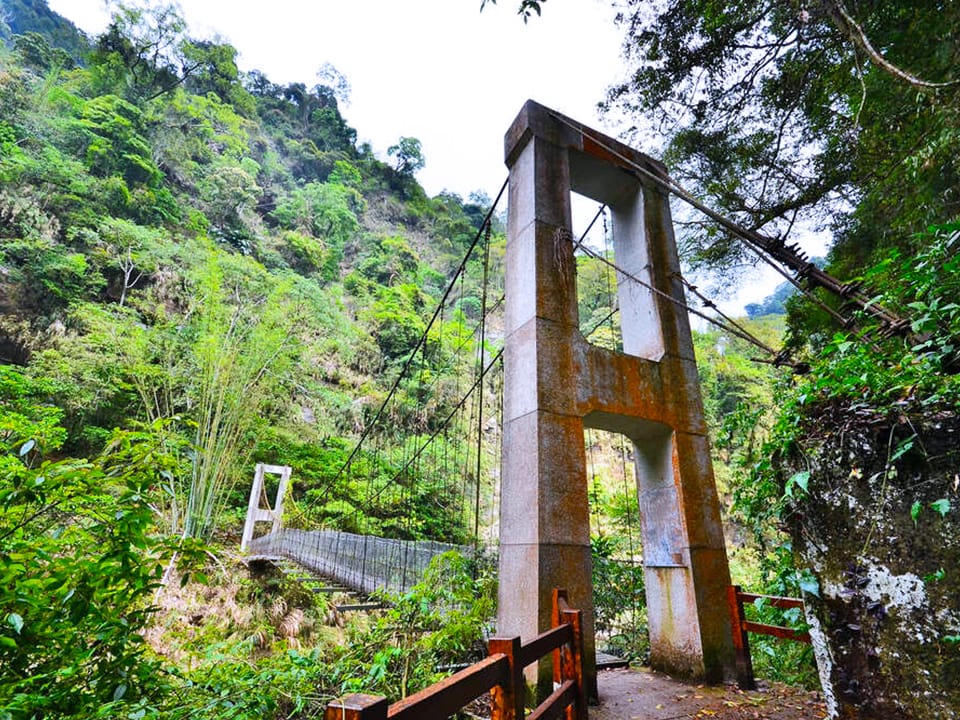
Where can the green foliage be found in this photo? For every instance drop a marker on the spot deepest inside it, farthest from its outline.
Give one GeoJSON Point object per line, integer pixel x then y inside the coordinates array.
{"type": "Point", "coordinates": [442, 620]}
{"type": "Point", "coordinates": [215, 130]}
{"type": "Point", "coordinates": [238, 344]}
{"type": "Point", "coordinates": [409, 156]}
{"type": "Point", "coordinates": [597, 302]}
{"type": "Point", "coordinates": [37, 53]}
{"type": "Point", "coordinates": [119, 177]}
{"type": "Point", "coordinates": [117, 146]}
{"type": "Point", "coordinates": [345, 174]}
{"type": "Point", "coordinates": [439, 622]}
{"type": "Point", "coordinates": [779, 113]}
{"type": "Point", "coordinates": [620, 601]}
{"type": "Point", "coordinates": [373, 495]}
{"type": "Point", "coordinates": [26, 19]}
{"type": "Point", "coordinates": [390, 276]}
{"type": "Point", "coordinates": [782, 660]}
{"type": "Point", "coordinates": [213, 71]}
{"type": "Point", "coordinates": [396, 320]}
{"type": "Point", "coordinates": [923, 286]}
{"type": "Point", "coordinates": [889, 375]}
{"type": "Point", "coordinates": [141, 54]}
{"type": "Point", "coordinates": [327, 212]}
{"type": "Point", "coordinates": [773, 304]}
{"type": "Point", "coordinates": [54, 275]}
{"type": "Point", "coordinates": [78, 563]}
{"type": "Point", "coordinates": [27, 413]}
{"type": "Point", "coordinates": [227, 191]}
{"type": "Point", "coordinates": [729, 377]}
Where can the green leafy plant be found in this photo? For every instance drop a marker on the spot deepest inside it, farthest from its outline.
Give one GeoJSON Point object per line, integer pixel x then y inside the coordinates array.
{"type": "Point", "coordinates": [237, 346]}
{"type": "Point", "coordinates": [619, 602]}
{"type": "Point", "coordinates": [78, 565]}
{"type": "Point", "coordinates": [442, 620]}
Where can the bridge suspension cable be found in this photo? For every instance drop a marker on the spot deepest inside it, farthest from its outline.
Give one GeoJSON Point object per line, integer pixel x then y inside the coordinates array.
{"type": "Point", "coordinates": [416, 475]}
{"type": "Point", "coordinates": [769, 249]}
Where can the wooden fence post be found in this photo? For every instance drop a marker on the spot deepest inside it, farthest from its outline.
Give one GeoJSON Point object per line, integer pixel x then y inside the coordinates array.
{"type": "Point", "coordinates": [575, 668]}
{"type": "Point", "coordinates": [508, 699]}
{"type": "Point", "coordinates": [741, 642]}
{"type": "Point", "coordinates": [357, 707]}
{"type": "Point", "coordinates": [568, 663]}
{"type": "Point", "coordinates": [559, 595]}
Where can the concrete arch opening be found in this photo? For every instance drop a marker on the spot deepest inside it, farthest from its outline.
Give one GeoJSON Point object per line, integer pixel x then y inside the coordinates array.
{"type": "Point", "coordinates": [616, 549]}
{"type": "Point", "coordinates": [557, 384]}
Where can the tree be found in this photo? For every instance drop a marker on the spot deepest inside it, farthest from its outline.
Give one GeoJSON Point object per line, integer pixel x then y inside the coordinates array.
{"type": "Point", "coordinates": [326, 211]}
{"type": "Point", "coordinates": [37, 53]}
{"type": "Point", "coordinates": [772, 304]}
{"type": "Point", "coordinates": [26, 17]}
{"type": "Point", "coordinates": [242, 350]}
{"type": "Point", "coordinates": [409, 156]}
{"type": "Point", "coordinates": [332, 78]}
{"type": "Point", "coordinates": [787, 113]}
{"type": "Point", "coordinates": [836, 114]}
{"type": "Point", "coordinates": [139, 53]}
{"type": "Point", "coordinates": [215, 70]}
{"type": "Point", "coordinates": [145, 53]}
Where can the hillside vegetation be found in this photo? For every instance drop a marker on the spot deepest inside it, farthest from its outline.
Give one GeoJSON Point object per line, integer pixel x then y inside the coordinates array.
{"type": "Point", "coordinates": [198, 268]}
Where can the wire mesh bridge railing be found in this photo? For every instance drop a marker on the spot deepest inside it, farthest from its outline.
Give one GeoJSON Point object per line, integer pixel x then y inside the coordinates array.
{"type": "Point", "coordinates": [362, 562]}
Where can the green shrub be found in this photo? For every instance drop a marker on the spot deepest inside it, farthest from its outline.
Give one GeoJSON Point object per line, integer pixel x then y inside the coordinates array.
{"type": "Point", "coordinates": [78, 564]}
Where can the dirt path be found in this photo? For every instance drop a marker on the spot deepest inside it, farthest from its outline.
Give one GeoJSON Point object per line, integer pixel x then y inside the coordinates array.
{"type": "Point", "coordinates": [645, 695]}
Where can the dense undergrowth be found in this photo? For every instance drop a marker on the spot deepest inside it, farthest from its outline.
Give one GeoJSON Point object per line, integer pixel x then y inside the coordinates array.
{"type": "Point", "coordinates": [199, 269]}
{"type": "Point", "coordinates": [95, 625]}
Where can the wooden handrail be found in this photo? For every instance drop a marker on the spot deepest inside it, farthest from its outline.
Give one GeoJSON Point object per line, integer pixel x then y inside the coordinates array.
{"type": "Point", "coordinates": [451, 694]}
{"type": "Point", "coordinates": [568, 659]}
{"type": "Point", "coordinates": [785, 603]}
{"type": "Point", "coordinates": [556, 705]}
{"type": "Point", "coordinates": [545, 643]}
{"type": "Point", "coordinates": [741, 627]}
{"type": "Point", "coordinates": [501, 673]}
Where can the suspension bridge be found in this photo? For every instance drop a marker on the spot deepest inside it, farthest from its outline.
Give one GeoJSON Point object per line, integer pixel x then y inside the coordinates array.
{"type": "Point", "coordinates": [479, 445]}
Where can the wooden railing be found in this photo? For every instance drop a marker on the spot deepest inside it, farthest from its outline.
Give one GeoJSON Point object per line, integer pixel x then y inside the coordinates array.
{"type": "Point", "coordinates": [741, 626]}
{"type": "Point", "coordinates": [501, 674]}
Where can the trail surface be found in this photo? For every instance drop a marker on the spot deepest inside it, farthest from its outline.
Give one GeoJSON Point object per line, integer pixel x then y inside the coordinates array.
{"type": "Point", "coordinates": [632, 694]}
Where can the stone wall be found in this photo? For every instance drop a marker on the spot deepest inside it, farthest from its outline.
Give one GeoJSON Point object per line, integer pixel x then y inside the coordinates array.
{"type": "Point", "coordinates": [885, 549]}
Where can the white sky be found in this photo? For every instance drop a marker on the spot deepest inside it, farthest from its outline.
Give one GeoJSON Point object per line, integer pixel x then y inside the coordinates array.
{"type": "Point", "coordinates": [437, 70]}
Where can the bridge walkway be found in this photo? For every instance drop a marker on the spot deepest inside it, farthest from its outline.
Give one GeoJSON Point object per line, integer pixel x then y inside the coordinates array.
{"type": "Point", "coordinates": [362, 563]}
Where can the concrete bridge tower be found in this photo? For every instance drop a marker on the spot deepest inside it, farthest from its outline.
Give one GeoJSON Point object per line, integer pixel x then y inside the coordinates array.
{"type": "Point", "coordinates": [557, 384]}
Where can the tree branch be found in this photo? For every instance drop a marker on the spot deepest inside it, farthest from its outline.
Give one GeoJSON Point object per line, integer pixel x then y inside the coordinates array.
{"type": "Point", "coordinates": [849, 27]}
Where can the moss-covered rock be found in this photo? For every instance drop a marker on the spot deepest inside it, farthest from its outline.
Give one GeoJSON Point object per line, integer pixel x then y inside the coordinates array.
{"type": "Point", "coordinates": [880, 530]}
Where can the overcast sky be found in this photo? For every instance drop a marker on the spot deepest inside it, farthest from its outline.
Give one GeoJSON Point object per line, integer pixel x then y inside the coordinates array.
{"type": "Point", "coordinates": [437, 70]}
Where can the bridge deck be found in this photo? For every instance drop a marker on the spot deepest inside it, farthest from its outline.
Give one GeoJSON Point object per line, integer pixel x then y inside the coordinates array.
{"type": "Point", "coordinates": [363, 563]}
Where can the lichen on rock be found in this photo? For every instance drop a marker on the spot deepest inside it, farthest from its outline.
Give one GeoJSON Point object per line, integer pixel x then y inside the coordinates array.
{"type": "Point", "coordinates": [880, 529]}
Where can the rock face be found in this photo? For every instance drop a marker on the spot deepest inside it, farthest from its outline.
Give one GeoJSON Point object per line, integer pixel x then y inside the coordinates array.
{"type": "Point", "coordinates": [880, 530]}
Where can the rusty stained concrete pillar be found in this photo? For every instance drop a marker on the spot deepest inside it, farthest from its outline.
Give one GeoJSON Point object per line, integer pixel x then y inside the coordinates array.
{"type": "Point", "coordinates": [546, 543]}
{"type": "Point", "coordinates": [556, 384]}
